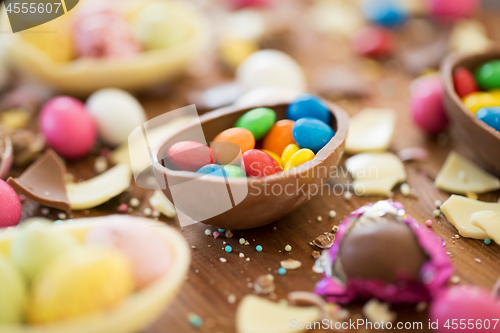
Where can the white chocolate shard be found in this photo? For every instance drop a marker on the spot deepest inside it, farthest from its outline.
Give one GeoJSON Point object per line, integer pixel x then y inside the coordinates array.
{"type": "Point", "coordinates": [489, 221]}
{"type": "Point", "coordinates": [100, 189]}
{"type": "Point", "coordinates": [161, 203]}
{"type": "Point", "coordinates": [370, 130]}
{"type": "Point", "coordinates": [458, 210]}
{"type": "Point", "coordinates": [258, 315]}
{"type": "Point", "coordinates": [378, 312]}
{"type": "Point", "coordinates": [459, 175]}
{"type": "Point", "coordinates": [375, 173]}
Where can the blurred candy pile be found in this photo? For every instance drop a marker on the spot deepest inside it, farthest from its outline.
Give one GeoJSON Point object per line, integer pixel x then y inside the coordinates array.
{"type": "Point", "coordinates": [102, 29]}
{"type": "Point", "coordinates": [50, 274]}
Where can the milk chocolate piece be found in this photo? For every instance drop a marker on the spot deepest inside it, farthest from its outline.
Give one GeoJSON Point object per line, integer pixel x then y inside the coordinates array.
{"type": "Point", "coordinates": [44, 182]}
{"type": "Point", "coordinates": [382, 248]}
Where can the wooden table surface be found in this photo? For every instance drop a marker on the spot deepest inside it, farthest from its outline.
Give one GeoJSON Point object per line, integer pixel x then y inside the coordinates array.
{"type": "Point", "coordinates": [210, 282]}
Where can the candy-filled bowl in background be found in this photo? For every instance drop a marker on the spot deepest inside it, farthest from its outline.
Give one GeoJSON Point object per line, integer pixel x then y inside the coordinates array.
{"type": "Point", "coordinates": [245, 203]}
{"type": "Point", "coordinates": [480, 139]}
{"type": "Point", "coordinates": [83, 75]}
{"type": "Point", "coordinates": [137, 310]}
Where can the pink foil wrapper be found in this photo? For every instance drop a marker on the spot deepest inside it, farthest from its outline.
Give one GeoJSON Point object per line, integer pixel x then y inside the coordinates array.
{"type": "Point", "coordinates": [434, 273]}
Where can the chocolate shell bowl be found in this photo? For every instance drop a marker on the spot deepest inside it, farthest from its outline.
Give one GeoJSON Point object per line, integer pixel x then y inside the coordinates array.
{"type": "Point", "coordinates": [249, 202]}
{"type": "Point", "coordinates": [83, 76]}
{"type": "Point", "coordinates": [479, 138]}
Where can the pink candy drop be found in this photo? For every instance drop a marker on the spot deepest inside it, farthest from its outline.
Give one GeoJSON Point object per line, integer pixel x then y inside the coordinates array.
{"type": "Point", "coordinates": [471, 304]}
{"type": "Point", "coordinates": [67, 126]}
{"type": "Point", "coordinates": [427, 105]}
{"type": "Point", "coordinates": [10, 206]}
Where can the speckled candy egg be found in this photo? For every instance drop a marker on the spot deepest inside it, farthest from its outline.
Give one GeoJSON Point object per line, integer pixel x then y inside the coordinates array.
{"type": "Point", "coordinates": [116, 113]}
{"type": "Point", "coordinates": [10, 207]}
{"type": "Point", "coordinates": [427, 105]}
{"type": "Point", "coordinates": [471, 303]}
{"type": "Point", "coordinates": [270, 68]}
{"type": "Point", "coordinates": [67, 126]}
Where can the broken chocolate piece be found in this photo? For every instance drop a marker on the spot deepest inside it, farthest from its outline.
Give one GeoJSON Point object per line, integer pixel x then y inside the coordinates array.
{"type": "Point", "coordinates": [44, 182]}
{"type": "Point", "coordinates": [324, 241]}
{"type": "Point", "coordinates": [5, 155]}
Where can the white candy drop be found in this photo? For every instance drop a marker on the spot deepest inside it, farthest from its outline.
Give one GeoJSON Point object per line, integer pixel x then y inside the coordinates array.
{"type": "Point", "coordinates": [271, 68]}
{"type": "Point", "coordinates": [116, 113]}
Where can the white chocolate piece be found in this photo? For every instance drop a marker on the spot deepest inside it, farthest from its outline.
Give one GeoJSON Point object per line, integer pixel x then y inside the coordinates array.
{"type": "Point", "coordinates": [336, 18]}
{"type": "Point", "coordinates": [161, 203]}
{"type": "Point", "coordinates": [98, 190]}
{"type": "Point", "coordinates": [375, 173]}
{"type": "Point", "coordinates": [258, 315]}
{"type": "Point", "coordinates": [469, 36]}
{"type": "Point", "coordinates": [489, 221]}
{"type": "Point", "coordinates": [378, 312]}
{"type": "Point", "coordinates": [458, 210]}
{"type": "Point", "coordinates": [459, 175]}
{"type": "Point", "coordinates": [270, 68]}
{"type": "Point", "coordinates": [370, 130]}
{"type": "Point", "coordinates": [141, 155]}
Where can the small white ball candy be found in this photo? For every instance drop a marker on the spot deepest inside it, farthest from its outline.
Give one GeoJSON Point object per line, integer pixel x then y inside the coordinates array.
{"type": "Point", "coordinates": [270, 68]}
{"type": "Point", "coordinates": [117, 113]}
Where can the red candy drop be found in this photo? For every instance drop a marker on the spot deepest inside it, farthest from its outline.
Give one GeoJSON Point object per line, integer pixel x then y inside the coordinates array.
{"type": "Point", "coordinates": [189, 155]}
{"type": "Point", "coordinates": [257, 163]}
{"type": "Point", "coordinates": [373, 42]}
{"type": "Point", "coordinates": [464, 82]}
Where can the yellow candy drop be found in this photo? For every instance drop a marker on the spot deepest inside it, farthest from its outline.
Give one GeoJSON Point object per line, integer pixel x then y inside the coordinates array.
{"type": "Point", "coordinates": [288, 152]}
{"type": "Point", "coordinates": [273, 155]}
{"type": "Point", "coordinates": [54, 38]}
{"type": "Point", "coordinates": [233, 52]}
{"type": "Point", "coordinates": [479, 100]}
{"type": "Point", "coordinates": [86, 280]}
{"type": "Point", "coordinates": [300, 157]}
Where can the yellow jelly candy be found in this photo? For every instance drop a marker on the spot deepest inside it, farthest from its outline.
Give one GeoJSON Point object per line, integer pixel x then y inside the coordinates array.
{"type": "Point", "coordinates": [55, 38]}
{"type": "Point", "coordinates": [288, 152]}
{"type": "Point", "coordinates": [86, 280]}
{"type": "Point", "coordinates": [273, 155]}
{"type": "Point", "coordinates": [300, 157]}
{"type": "Point", "coordinates": [233, 52]}
{"type": "Point", "coordinates": [479, 100]}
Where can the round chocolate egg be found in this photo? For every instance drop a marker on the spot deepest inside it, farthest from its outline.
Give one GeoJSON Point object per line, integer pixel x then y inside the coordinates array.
{"type": "Point", "coordinates": [312, 134]}
{"type": "Point", "coordinates": [310, 106]}
{"type": "Point", "coordinates": [257, 163]}
{"type": "Point", "coordinates": [488, 75]}
{"type": "Point", "coordinates": [85, 280]}
{"type": "Point", "coordinates": [116, 113]}
{"type": "Point", "coordinates": [374, 42]}
{"type": "Point", "coordinates": [386, 13]}
{"type": "Point", "coordinates": [189, 155]}
{"type": "Point", "coordinates": [464, 82]}
{"type": "Point", "coordinates": [491, 116]}
{"type": "Point", "coordinates": [149, 256]}
{"type": "Point", "coordinates": [270, 68]}
{"type": "Point", "coordinates": [470, 304]}
{"type": "Point", "coordinates": [10, 207]}
{"type": "Point", "coordinates": [258, 121]}
{"type": "Point", "coordinates": [67, 126]}
{"type": "Point", "coordinates": [13, 293]}
{"type": "Point", "coordinates": [379, 251]}
{"type": "Point", "coordinates": [427, 105]}
{"type": "Point", "coordinates": [36, 246]}
{"type": "Point", "coordinates": [228, 145]}
{"type": "Point", "coordinates": [279, 136]}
